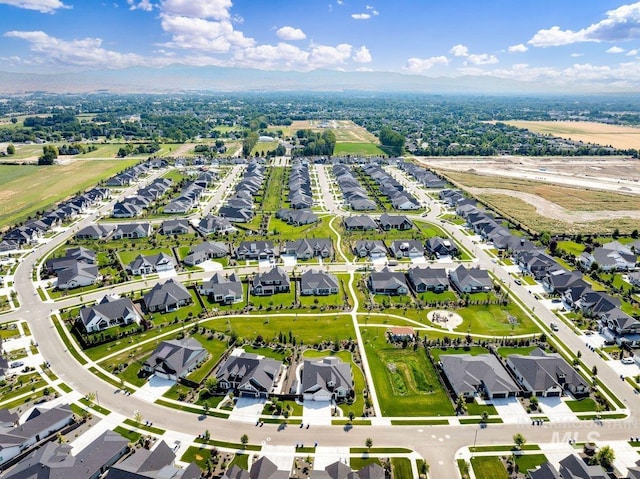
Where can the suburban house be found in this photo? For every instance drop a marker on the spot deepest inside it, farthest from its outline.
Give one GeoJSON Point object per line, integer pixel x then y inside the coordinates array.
{"type": "Point", "coordinates": [151, 264]}
{"type": "Point", "coordinates": [132, 231]}
{"type": "Point", "coordinates": [394, 222]}
{"type": "Point", "coordinates": [297, 217]}
{"type": "Point", "coordinates": [359, 223]}
{"type": "Point", "coordinates": [401, 333]}
{"type": "Point", "coordinates": [326, 379]}
{"type": "Point", "coordinates": [620, 323]}
{"type": "Point", "coordinates": [547, 374]}
{"type": "Point", "coordinates": [609, 258]}
{"type": "Point", "coordinates": [94, 232]}
{"type": "Point", "coordinates": [470, 280]}
{"type": "Point", "coordinates": [255, 250]}
{"type": "Point", "coordinates": [156, 464]}
{"type": "Point", "coordinates": [440, 247]}
{"type": "Point", "coordinates": [174, 227]}
{"type": "Point", "coordinates": [236, 214]}
{"type": "Point", "coordinates": [110, 311]}
{"type": "Point", "coordinates": [309, 248]}
{"type": "Point", "coordinates": [55, 460]}
{"type": "Point", "coordinates": [174, 359]}
{"type": "Point", "coordinates": [248, 374]}
{"type": "Point", "coordinates": [560, 280]}
{"type": "Point", "coordinates": [273, 281]}
{"type": "Point", "coordinates": [428, 279]}
{"type": "Point", "coordinates": [263, 468]}
{"type": "Point", "coordinates": [596, 303]}
{"type": "Point", "coordinates": [40, 424]}
{"type": "Point", "coordinates": [373, 249]}
{"type": "Point", "coordinates": [387, 282]}
{"type": "Point", "coordinates": [224, 289]}
{"type": "Point", "coordinates": [76, 269]}
{"type": "Point", "coordinates": [166, 297]}
{"type": "Point", "coordinates": [205, 251]}
{"type": "Point", "coordinates": [317, 282]}
{"type": "Point", "coordinates": [211, 224]}
{"type": "Point", "coordinates": [535, 262]}
{"type": "Point", "coordinates": [481, 375]}
{"type": "Point", "coordinates": [574, 467]}
{"type": "Point", "coordinates": [407, 249]}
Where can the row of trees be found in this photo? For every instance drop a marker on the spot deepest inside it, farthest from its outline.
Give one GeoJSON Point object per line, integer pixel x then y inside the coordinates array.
{"type": "Point", "coordinates": [317, 144]}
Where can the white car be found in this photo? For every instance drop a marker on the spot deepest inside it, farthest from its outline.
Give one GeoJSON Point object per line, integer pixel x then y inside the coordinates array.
{"type": "Point", "coordinates": [627, 361]}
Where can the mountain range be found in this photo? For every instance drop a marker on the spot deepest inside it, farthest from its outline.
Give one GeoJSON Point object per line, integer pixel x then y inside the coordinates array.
{"type": "Point", "coordinates": [179, 78]}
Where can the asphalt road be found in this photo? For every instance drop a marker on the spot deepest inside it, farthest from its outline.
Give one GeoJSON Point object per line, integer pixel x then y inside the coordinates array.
{"type": "Point", "coordinates": [438, 444]}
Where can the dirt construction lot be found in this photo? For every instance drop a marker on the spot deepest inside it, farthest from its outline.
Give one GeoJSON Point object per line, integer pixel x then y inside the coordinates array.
{"type": "Point", "coordinates": [622, 137]}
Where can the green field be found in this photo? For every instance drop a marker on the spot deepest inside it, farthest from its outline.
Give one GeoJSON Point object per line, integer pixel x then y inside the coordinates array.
{"type": "Point", "coordinates": [358, 149]}
{"type": "Point", "coordinates": [488, 467]}
{"type": "Point", "coordinates": [27, 189]}
{"type": "Point", "coordinates": [406, 382]}
{"type": "Point", "coordinates": [263, 147]}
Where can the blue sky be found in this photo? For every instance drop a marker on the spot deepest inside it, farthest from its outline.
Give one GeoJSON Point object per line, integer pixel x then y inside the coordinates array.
{"type": "Point", "coordinates": [551, 41]}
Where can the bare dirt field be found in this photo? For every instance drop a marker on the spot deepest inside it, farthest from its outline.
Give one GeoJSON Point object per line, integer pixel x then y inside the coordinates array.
{"type": "Point", "coordinates": [346, 131]}
{"type": "Point", "coordinates": [588, 132]}
{"type": "Point", "coordinates": [553, 194]}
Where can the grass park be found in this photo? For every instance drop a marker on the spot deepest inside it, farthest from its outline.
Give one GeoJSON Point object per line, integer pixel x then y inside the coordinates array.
{"type": "Point", "coordinates": [406, 382]}
{"type": "Point", "coordinates": [25, 189]}
{"type": "Point", "coordinates": [357, 149]}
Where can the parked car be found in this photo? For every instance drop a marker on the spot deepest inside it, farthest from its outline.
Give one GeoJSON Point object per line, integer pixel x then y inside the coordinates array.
{"type": "Point", "coordinates": [553, 326]}
{"type": "Point", "coordinates": [627, 361]}
{"type": "Point", "coordinates": [16, 364]}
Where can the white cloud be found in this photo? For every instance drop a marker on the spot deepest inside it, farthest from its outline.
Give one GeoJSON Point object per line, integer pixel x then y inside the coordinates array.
{"type": "Point", "coordinates": [360, 16]}
{"type": "Point", "coordinates": [200, 34]}
{"type": "Point", "coordinates": [145, 5]}
{"type": "Point", "coordinates": [632, 53]}
{"type": "Point", "coordinates": [372, 10]}
{"type": "Point", "coordinates": [362, 55]}
{"type": "Point", "coordinates": [42, 6]}
{"type": "Point", "coordinates": [339, 2]}
{"type": "Point", "coordinates": [520, 48]}
{"type": "Point", "coordinates": [459, 51]}
{"type": "Point", "coordinates": [576, 55]}
{"type": "Point", "coordinates": [482, 59]}
{"type": "Point", "coordinates": [418, 65]}
{"type": "Point", "coordinates": [322, 56]}
{"type": "Point", "coordinates": [267, 57]}
{"type": "Point", "coordinates": [290, 33]}
{"type": "Point", "coordinates": [620, 24]}
{"type": "Point", "coordinates": [216, 9]}
{"type": "Point", "coordinates": [615, 49]}
{"type": "Point", "coordinates": [87, 52]}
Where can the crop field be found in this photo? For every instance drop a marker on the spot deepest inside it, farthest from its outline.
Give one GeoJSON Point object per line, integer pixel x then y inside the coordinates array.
{"type": "Point", "coordinates": [346, 131]}
{"type": "Point", "coordinates": [26, 189]}
{"type": "Point", "coordinates": [589, 132]}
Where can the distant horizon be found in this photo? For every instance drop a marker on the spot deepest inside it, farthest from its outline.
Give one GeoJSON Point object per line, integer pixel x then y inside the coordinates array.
{"type": "Point", "coordinates": [543, 46]}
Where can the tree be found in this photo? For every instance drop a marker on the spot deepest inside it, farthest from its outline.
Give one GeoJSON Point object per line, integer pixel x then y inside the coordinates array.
{"type": "Point", "coordinates": [594, 370]}
{"type": "Point", "coordinates": [519, 440]}
{"type": "Point", "coordinates": [605, 456]}
{"type": "Point", "coordinates": [207, 435]}
{"type": "Point", "coordinates": [211, 384]}
{"type": "Point", "coordinates": [49, 154]}
{"type": "Point", "coordinates": [368, 443]}
{"type": "Point", "coordinates": [244, 440]}
{"type": "Point", "coordinates": [11, 149]}
{"type": "Point", "coordinates": [137, 417]}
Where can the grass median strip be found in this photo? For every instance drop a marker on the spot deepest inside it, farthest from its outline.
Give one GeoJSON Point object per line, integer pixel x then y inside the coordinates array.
{"type": "Point", "coordinates": [95, 407]}
{"type": "Point", "coordinates": [138, 425]}
{"type": "Point", "coordinates": [229, 445]}
{"type": "Point", "coordinates": [190, 409]}
{"type": "Point", "coordinates": [67, 341]}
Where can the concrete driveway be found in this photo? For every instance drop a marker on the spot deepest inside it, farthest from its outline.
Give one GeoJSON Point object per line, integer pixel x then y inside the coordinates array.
{"type": "Point", "coordinates": [556, 409]}
{"type": "Point", "coordinates": [154, 388]}
{"type": "Point", "coordinates": [511, 411]}
{"type": "Point", "coordinates": [317, 413]}
{"type": "Point", "coordinates": [247, 409]}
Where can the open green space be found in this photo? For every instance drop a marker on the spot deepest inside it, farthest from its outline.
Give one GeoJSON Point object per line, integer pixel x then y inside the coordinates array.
{"type": "Point", "coordinates": [526, 462]}
{"type": "Point", "coordinates": [406, 382]}
{"type": "Point", "coordinates": [27, 189]}
{"type": "Point", "coordinates": [401, 468]}
{"type": "Point", "coordinates": [215, 348]}
{"type": "Point", "coordinates": [358, 149]}
{"type": "Point", "coordinates": [358, 463]}
{"type": "Point", "coordinates": [306, 329]}
{"type": "Point", "coordinates": [495, 319]}
{"type": "Point", "coordinates": [582, 405]}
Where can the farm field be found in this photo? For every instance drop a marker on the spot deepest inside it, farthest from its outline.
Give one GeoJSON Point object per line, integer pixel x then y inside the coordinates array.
{"type": "Point", "coordinates": [25, 193]}
{"type": "Point", "coordinates": [585, 131]}
{"type": "Point", "coordinates": [346, 131]}
{"type": "Point", "coordinates": [362, 149]}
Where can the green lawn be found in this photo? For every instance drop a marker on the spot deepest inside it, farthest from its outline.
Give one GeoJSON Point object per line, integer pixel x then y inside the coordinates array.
{"type": "Point", "coordinates": [488, 467]}
{"type": "Point", "coordinates": [582, 405]}
{"type": "Point", "coordinates": [358, 149]}
{"type": "Point", "coordinates": [215, 348]}
{"type": "Point", "coordinates": [406, 382]}
{"type": "Point", "coordinates": [274, 187]}
{"type": "Point", "coordinates": [493, 320]}
{"type": "Point", "coordinates": [127, 257]}
{"type": "Point", "coordinates": [274, 301]}
{"type": "Point", "coordinates": [358, 463]}
{"type": "Point", "coordinates": [309, 330]}
{"type": "Point", "coordinates": [505, 351]}
{"type": "Point", "coordinates": [401, 467]}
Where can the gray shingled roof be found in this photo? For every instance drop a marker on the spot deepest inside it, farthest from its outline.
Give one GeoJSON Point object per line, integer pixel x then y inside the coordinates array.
{"type": "Point", "coordinates": [466, 373]}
